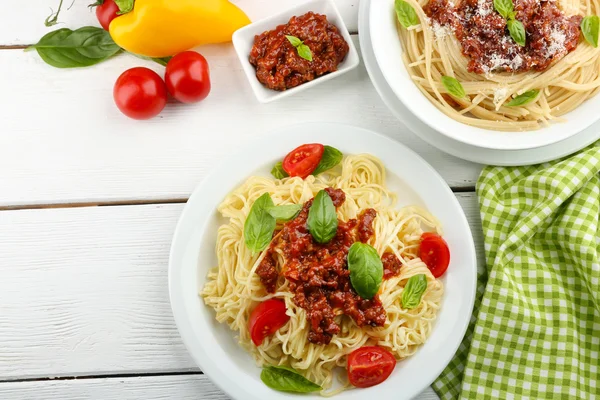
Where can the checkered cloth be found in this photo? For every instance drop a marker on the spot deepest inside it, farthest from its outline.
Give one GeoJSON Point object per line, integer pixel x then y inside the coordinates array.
{"type": "Point", "coordinates": [536, 327]}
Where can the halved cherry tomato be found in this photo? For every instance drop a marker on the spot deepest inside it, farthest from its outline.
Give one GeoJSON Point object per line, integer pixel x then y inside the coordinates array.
{"type": "Point", "coordinates": [369, 366]}
{"type": "Point", "coordinates": [303, 160]}
{"type": "Point", "coordinates": [266, 319]}
{"type": "Point", "coordinates": [435, 253]}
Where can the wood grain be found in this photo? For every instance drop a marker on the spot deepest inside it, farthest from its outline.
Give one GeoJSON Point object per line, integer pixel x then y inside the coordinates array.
{"type": "Point", "coordinates": [64, 141]}
{"type": "Point", "coordinates": [83, 291]}
{"type": "Point", "coordinates": [23, 21]}
{"type": "Point", "coordinates": [194, 387]}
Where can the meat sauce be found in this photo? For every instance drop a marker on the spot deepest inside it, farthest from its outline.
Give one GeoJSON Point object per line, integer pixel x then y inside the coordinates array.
{"type": "Point", "coordinates": [485, 39]}
{"type": "Point", "coordinates": [278, 65]}
{"type": "Point", "coordinates": [318, 273]}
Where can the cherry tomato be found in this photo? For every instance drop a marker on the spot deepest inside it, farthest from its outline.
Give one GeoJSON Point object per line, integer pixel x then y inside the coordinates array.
{"type": "Point", "coordinates": [140, 93]}
{"type": "Point", "coordinates": [106, 12]}
{"type": "Point", "coordinates": [435, 253]}
{"type": "Point", "coordinates": [266, 319]}
{"type": "Point", "coordinates": [303, 160]}
{"type": "Point", "coordinates": [369, 366]}
{"type": "Point", "coordinates": [187, 77]}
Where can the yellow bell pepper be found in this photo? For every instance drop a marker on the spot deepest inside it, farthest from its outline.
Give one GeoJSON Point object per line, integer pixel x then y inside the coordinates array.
{"type": "Point", "coordinates": [161, 28]}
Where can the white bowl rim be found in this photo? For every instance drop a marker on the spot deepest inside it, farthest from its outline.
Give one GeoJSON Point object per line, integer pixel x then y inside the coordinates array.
{"type": "Point", "coordinates": [388, 52]}
{"type": "Point", "coordinates": [221, 372]}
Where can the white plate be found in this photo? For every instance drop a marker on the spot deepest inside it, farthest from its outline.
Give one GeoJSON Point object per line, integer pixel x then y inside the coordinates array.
{"type": "Point", "coordinates": [388, 52]}
{"type": "Point", "coordinates": [243, 40]}
{"type": "Point", "coordinates": [212, 345]}
{"type": "Point", "coordinates": [451, 146]}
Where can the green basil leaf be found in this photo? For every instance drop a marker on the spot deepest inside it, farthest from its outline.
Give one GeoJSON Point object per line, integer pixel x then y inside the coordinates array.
{"type": "Point", "coordinates": [259, 225]}
{"type": "Point", "coordinates": [125, 6]}
{"type": "Point", "coordinates": [517, 31]}
{"type": "Point", "coordinates": [589, 28]}
{"type": "Point", "coordinates": [304, 52]}
{"type": "Point", "coordinates": [523, 98]}
{"type": "Point", "coordinates": [294, 41]}
{"type": "Point", "coordinates": [322, 219]}
{"type": "Point", "coordinates": [406, 15]}
{"type": "Point", "coordinates": [453, 86]}
{"type": "Point", "coordinates": [83, 47]}
{"type": "Point", "coordinates": [160, 60]}
{"type": "Point", "coordinates": [366, 269]}
{"type": "Point", "coordinates": [278, 172]}
{"type": "Point", "coordinates": [287, 379]}
{"type": "Point", "coordinates": [413, 291]}
{"type": "Point", "coordinates": [504, 8]}
{"type": "Point", "coordinates": [285, 212]}
{"type": "Point", "coordinates": [331, 157]}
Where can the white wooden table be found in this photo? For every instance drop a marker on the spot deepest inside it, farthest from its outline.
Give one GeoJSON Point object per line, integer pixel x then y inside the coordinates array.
{"type": "Point", "coordinates": [89, 200]}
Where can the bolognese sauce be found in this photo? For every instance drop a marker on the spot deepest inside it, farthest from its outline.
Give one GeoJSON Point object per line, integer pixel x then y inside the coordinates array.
{"type": "Point", "coordinates": [486, 41]}
{"type": "Point", "coordinates": [277, 62]}
{"type": "Point", "coordinates": [318, 274]}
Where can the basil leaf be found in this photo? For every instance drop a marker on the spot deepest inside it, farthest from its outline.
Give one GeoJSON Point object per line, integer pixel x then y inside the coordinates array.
{"type": "Point", "coordinates": [589, 28]}
{"type": "Point", "coordinates": [504, 8]}
{"type": "Point", "coordinates": [65, 48]}
{"type": "Point", "coordinates": [523, 98]}
{"type": "Point", "coordinates": [366, 269]}
{"type": "Point", "coordinates": [453, 86]}
{"type": "Point", "coordinates": [287, 379]}
{"type": "Point", "coordinates": [322, 219]}
{"type": "Point", "coordinates": [125, 6]}
{"type": "Point", "coordinates": [304, 52]}
{"type": "Point", "coordinates": [285, 212]}
{"type": "Point", "coordinates": [160, 60]}
{"type": "Point", "coordinates": [406, 15]}
{"type": "Point", "coordinates": [517, 31]}
{"type": "Point", "coordinates": [259, 225]}
{"type": "Point", "coordinates": [331, 157]}
{"type": "Point", "coordinates": [413, 291]}
{"type": "Point", "coordinates": [278, 172]}
{"type": "Point", "coordinates": [294, 41]}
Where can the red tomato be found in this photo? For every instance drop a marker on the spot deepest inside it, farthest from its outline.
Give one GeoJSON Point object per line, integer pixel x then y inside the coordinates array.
{"type": "Point", "coordinates": [303, 160]}
{"type": "Point", "coordinates": [140, 93]}
{"type": "Point", "coordinates": [106, 12]}
{"type": "Point", "coordinates": [266, 319]}
{"type": "Point", "coordinates": [187, 77]}
{"type": "Point", "coordinates": [435, 253]}
{"type": "Point", "coordinates": [369, 366]}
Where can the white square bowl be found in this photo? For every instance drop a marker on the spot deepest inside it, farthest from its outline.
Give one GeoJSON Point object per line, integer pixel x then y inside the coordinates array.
{"type": "Point", "coordinates": [243, 40]}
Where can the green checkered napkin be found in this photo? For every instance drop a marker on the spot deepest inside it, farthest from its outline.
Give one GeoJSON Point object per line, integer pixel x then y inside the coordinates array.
{"type": "Point", "coordinates": [535, 332]}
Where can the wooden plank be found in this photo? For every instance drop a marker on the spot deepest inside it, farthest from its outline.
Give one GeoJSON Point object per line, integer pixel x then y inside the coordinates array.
{"type": "Point", "coordinates": [64, 141]}
{"type": "Point", "coordinates": [83, 291]}
{"type": "Point", "coordinates": [182, 387]}
{"type": "Point", "coordinates": [23, 21]}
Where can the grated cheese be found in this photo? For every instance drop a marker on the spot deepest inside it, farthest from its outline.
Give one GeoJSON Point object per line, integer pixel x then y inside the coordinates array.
{"type": "Point", "coordinates": [557, 45]}
{"type": "Point", "coordinates": [484, 8]}
{"type": "Point", "coordinates": [439, 31]}
{"type": "Point", "coordinates": [500, 94]}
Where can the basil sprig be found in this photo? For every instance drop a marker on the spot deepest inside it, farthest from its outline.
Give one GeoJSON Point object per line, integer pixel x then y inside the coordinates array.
{"type": "Point", "coordinates": [286, 379]}
{"type": "Point", "coordinates": [322, 219]}
{"type": "Point", "coordinates": [366, 269]}
{"type": "Point", "coordinates": [523, 98]}
{"type": "Point", "coordinates": [302, 49]}
{"type": "Point", "coordinates": [517, 31]}
{"type": "Point", "coordinates": [413, 291]}
{"type": "Point", "coordinates": [589, 28]}
{"type": "Point", "coordinates": [406, 15]}
{"type": "Point", "coordinates": [260, 224]}
{"type": "Point", "coordinates": [278, 172]}
{"type": "Point", "coordinates": [453, 86]}
{"type": "Point", "coordinates": [65, 48]}
{"type": "Point", "coordinates": [285, 212]}
{"type": "Point", "coordinates": [515, 28]}
{"type": "Point", "coordinates": [331, 157]}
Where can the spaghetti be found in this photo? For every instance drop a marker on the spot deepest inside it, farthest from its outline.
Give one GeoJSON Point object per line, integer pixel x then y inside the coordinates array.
{"type": "Point", "coordinates": [470, 41]}
{"type": "Point", "coordinates": [233, 289]}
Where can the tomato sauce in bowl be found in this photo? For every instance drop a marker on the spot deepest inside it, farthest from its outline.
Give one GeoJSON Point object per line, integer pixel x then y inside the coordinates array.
{"type": "Point", "coordinates": [277, 61]}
